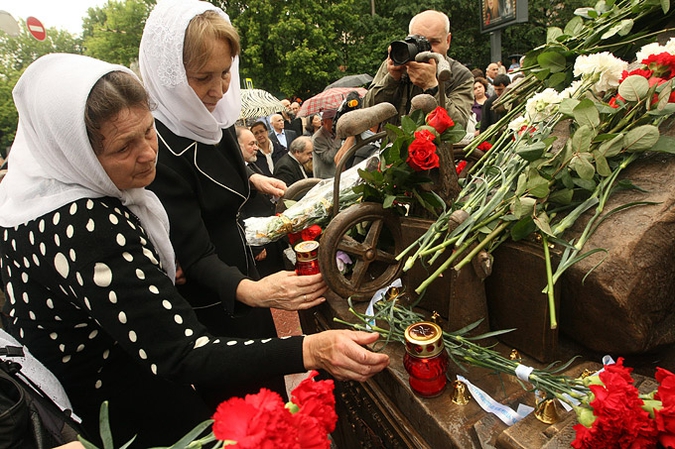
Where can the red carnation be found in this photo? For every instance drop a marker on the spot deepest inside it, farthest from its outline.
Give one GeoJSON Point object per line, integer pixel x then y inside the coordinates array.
{"type": "Point", "coordinates": [311, 233]}
{"type": "Point", "coordinates": [316, 399]}
{"type": "Point", "coordinates": [439, 120]}
{"type": "Point", "coordinates": [485, 146]}
{"type": "Point", "coordinates": [662, 64]}
{"type": "Point", "coordinates": [422, 152]}
{"type": "Point", "coordinates": [461, 165]}
{"type": "Point", "coordinates": [641, 72]}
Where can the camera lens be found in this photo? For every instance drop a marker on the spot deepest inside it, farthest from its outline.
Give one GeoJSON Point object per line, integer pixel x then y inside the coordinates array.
{"type": "Point", "coordinates": [402, 52]}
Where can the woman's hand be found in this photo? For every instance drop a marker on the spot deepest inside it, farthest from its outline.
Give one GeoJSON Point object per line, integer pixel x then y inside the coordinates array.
{"type": "Point", "coordinates": [283, 290]}
{"type": "Point", "coordinates": [265, 184]}
{"type": "Point", "coordinates": [341, 353]}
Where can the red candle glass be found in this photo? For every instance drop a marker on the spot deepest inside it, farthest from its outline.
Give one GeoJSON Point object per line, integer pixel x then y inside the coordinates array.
{"type": "Point", "coordinates": [307, 258]}
{"type": "Point", "coordinates": [425, 359]}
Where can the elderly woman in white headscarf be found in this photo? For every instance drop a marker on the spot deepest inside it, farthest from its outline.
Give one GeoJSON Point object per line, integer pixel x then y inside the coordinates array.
{"type": "Point", "coordinates": [88, 268]}
{"type": "Point", "coordinates": [189, 64]}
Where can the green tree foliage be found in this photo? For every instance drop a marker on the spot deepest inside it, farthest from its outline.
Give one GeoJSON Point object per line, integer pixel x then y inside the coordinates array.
{"type": "Point", "coordinates": [17, 53]}
{"type": "Point", "coordinates": [113, 32]}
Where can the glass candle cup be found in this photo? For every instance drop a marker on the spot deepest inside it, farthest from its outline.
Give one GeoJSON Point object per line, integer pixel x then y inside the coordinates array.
{"type": "Point", "coordinates": [425, 359]}
{"type": "Point", "coordinates": [307, 258]}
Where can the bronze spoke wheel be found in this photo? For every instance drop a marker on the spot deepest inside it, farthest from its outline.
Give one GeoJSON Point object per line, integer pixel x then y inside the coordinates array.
{"type": "Point", "coordinates": [371, 236]}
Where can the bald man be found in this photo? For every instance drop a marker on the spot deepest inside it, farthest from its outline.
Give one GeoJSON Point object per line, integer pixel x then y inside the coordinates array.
{"type": "Point", "coordinates": [397, 84]}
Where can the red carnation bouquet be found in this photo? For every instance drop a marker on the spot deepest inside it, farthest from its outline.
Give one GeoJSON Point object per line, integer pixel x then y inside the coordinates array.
{"type": "Point", "coordinates": [259, 421]}
{"type": "Point", "coordinates": [402, 176]}
{"type": "Point", "coordinates": [616, 415]}
{"type": "Point", "coordinates": [262, 420]}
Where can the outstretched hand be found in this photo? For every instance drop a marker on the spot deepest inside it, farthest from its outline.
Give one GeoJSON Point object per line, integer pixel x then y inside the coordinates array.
{"type": "Point", "coordinates": [343, 355]}
{"type": "Point", "coordinates": [283, 290]}
{"type": "Point", "coordinates": [265, 184]}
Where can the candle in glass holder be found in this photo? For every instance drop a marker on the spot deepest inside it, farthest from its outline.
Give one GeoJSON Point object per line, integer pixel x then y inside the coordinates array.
{"type": "Point", "coordinates": [425, 358]}
{"type": "Point", "coordinates": [307, 257]}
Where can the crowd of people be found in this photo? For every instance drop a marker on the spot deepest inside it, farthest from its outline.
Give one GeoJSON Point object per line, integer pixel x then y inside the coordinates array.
{"type": "Point", "coordinates": [124, 262]}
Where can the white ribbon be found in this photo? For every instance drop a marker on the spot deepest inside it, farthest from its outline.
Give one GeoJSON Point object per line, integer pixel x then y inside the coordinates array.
{"type": "Point", "coordinates": [505, 413]}
{"type": "Point", "coordinates": [370, 310]}
{"type": "Point", "coordinates": [523, 372]}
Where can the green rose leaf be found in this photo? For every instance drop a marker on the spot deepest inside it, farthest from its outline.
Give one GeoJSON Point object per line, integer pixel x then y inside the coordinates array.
{"type": "Point", "coordinates": [585, 113]}
{"type": "Point", "coordinates": [665, 144]}
{"type": "Point", "coordinates": [582, 138]}
{"type": "Point", "coordinates": [634, 88]}
{"type": "Point", "coordinates": [586, 184]}
{"type": "Point", "coordinates": [641, 138]}
{"type": "Point", "coordinates": [542, 223]}
{"type": "Point", "coordinates": [622, 28]}
{"type": "Point", "coordinates": [408, 125]}
{"type": "Point", "coordinates": [522, 229]}
{"type": "Point", "coordinates": [567, 106]}
{"type": "Point", "coordinates": [552, 34]}
{"type": "Point", "coordinates": [601, 164]}
{"type": "Point", "coordinates": [582, 166]}
{"type": "Point", "coordinates": [612, 147]}
{"type": "Point", "coordinates": [531, 152]}
{"type": "Point", "coordinates": [523, 206]}
{"type": "Point", "coordinates": [454, 134]}
{"type": "Point", "coordinates": [553, 61]}
{"type": "Point", "coordinates": [557, 79]}
{"type": "Point", "coordinates": [665, 5]}
{"type": "Point", "coordinates": [537, 186]}
{"type": "Point", "coordinates": [563, 196]}
{"type": "Point", "coordinates": [575, 26]}
{"type": "Point", "coordinates": [388, 201]}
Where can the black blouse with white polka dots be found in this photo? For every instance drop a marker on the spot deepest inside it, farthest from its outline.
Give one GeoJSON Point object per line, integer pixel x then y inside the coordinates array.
{"type": "Point", "coordinates": [86, 293]}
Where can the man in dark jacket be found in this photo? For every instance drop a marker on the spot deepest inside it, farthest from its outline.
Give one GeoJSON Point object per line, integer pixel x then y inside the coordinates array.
{"type": "Point", "coordinates": [490, 115]}
{"type": "Point", "coordinates": [398, 84]}
{"type": "Point", "coordinates": [290, 167]}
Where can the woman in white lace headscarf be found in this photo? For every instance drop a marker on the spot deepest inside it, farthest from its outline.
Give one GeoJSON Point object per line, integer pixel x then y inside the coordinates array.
{"type": "Point", "coordinates": [88, 269]}
{"type": "Point", "coordinates": [189, 63]}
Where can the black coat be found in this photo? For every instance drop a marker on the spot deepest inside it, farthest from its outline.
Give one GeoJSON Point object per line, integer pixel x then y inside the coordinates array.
{"type": "Point", "coordinates": [203, 188]}
{"type": "Point", "coordinates": [289, 170]}
{"type": "Point", "coordinates": [290, 136]}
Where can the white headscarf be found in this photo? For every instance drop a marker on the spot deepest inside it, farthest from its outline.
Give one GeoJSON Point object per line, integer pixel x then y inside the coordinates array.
{"type": "Point", "coordinates": [52, 162]}
{"type": "Point", "coordinates": [163, 72]}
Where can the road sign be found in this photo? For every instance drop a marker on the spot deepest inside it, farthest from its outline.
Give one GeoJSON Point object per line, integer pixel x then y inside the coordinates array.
{"type": "Point", "coordinates": [36, 29]}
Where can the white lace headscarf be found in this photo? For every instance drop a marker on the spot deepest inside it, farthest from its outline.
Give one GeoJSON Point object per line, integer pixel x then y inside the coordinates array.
{"type": "Point", "coordinates": [52, 162]}
{"type": "Point", "coordinates": [163, 72]}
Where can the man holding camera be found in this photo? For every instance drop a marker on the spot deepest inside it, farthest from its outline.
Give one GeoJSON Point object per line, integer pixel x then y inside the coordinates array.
{"type": "Point", "coordinates": [398, 80]}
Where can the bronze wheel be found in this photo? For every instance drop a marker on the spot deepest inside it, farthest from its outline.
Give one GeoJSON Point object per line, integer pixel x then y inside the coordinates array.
{"type": "Point", "coordinates": [371, 236]}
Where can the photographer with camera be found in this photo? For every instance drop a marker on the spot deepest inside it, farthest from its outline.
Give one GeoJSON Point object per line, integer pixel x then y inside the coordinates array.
{"type": "Point", "coordinates": [400, 77]}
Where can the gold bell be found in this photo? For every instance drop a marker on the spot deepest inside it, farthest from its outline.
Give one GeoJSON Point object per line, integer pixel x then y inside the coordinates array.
{"type": "Point", "coordinates": [392, 292]}
{"type": "Point", "coordinates": [547, 411]}
{"type": "Point", "coordinates": [586, 373]}
{"type": "Point", "coordinates": [515, 355]}
{"type": "Point", "coordinates": [460, 395]}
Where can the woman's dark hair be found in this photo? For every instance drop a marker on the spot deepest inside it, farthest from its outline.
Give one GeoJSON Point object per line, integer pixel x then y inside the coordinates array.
{"type": "Point", "coordinates": [113, 93]}
{"type": "Point", "coordinates": [309, 126]}
{"type": "Point", "coordinates": [258, 123]}
{"type": "Point", "coordinates": [483, 81]}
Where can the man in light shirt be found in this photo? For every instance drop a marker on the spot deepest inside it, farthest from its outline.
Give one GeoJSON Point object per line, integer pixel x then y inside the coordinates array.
{"type": "Point", "coordinates": [283, 136]}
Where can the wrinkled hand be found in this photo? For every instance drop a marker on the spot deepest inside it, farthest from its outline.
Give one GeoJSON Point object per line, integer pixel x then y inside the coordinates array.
{"type": "Point", "coordinates": [283, 290]}
{"type": "Point", "coordinates": [423, 74]}
{"type": "Point", "coordinates": [341, 353]}
{"type": "Point", "coordinates": [265, 184]}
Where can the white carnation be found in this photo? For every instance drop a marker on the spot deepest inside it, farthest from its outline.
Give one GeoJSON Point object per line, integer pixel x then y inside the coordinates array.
{"type": "Point", "coordinates": [542, 105]}
{"type": "Point", "coordinates": [572, 90]}
{"type": "Point", "coordinates": [670, 46]}
{"type": "Point", "coordinates": [516, 124]}
{"type": "Point", "coordinates": [603, 68]}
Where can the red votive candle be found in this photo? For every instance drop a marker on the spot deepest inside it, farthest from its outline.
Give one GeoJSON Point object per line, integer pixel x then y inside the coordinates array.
{"type": "Point", "coordinates": [425, 358]}
{"type": "Point", "coordinates": [307, 258]}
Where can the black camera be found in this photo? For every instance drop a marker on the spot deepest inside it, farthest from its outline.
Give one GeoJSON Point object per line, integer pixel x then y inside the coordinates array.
{"type": "Point", "coordinates": [405, 50]}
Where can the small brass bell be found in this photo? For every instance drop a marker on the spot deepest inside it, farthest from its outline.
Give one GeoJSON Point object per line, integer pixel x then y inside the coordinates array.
{"type": "Point", "coordinates": [460, 395]}
{"type": "Point", "coordinates": [586, 373]}
{"type": "Point", "coordinates": [547, 411]}
{"type": "Point", "coordinates": [515, 355]}
{"type": "Point", "coordinates": [392, 292]}
{"type": "Point", "coordinates": [436, 317]}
